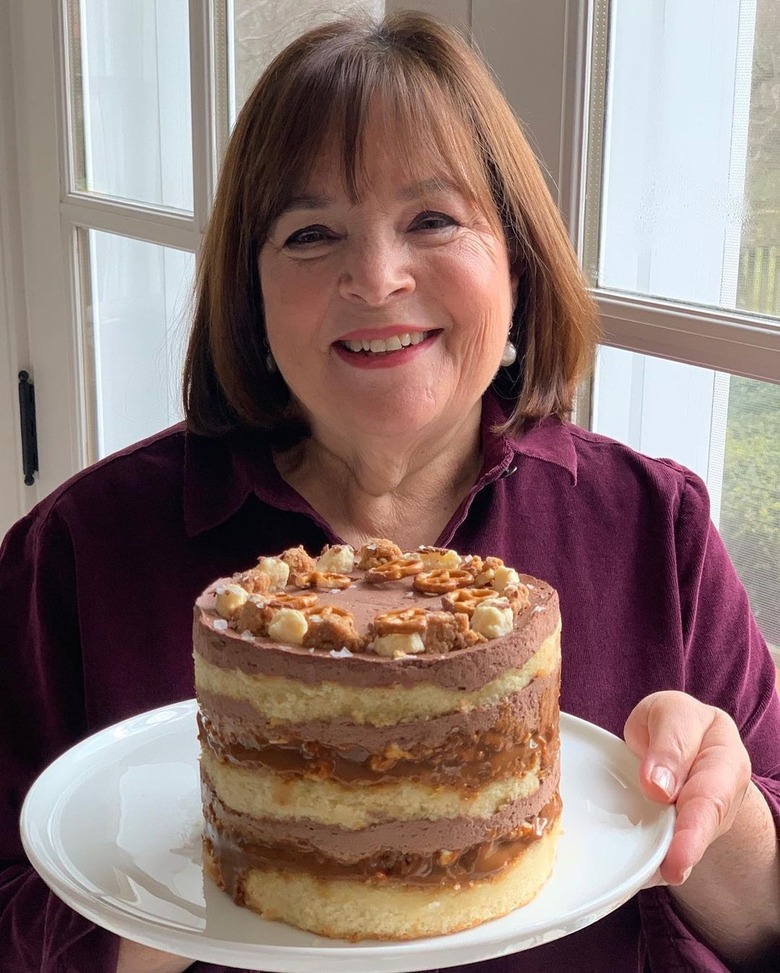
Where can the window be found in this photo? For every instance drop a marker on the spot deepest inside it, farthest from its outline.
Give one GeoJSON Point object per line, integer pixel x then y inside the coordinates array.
{"type": "Point", "coordinates": [681, 239]}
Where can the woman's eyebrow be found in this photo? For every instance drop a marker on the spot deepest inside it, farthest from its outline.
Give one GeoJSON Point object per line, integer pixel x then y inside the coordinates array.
{"type": "Point", "coordinates": [426, 187]}
{"type": "Point", "coordinates": [415, 190]}
{"type": "Point", "coordinates": [306, 202]}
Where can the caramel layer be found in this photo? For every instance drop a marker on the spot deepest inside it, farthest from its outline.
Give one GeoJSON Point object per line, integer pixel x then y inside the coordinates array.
{"type": "Point", "coordinates": [421, 836]}
{"type": "Point", "coordinates": [444, 867]}
{"type": "Point", "coordinates": [465, 763]}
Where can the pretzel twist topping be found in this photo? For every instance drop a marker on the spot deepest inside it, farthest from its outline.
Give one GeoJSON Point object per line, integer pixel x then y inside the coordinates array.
{"type": "Point", "coordinates": [302, 601]}
{"type": "Point", "coordinates": [465, 600]}
{"type": "Point", "coordinates": [402, 621]}
{"type": "Point", "coordinates": [394, 570]}
{"type": "Point", "coordinates": [442, 580]}
{"type": "Point", "coordinates": [328, 580]}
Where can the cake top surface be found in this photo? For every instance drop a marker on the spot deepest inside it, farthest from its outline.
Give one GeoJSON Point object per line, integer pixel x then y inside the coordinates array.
{"type": "Point", "coordinates": [377, 604]}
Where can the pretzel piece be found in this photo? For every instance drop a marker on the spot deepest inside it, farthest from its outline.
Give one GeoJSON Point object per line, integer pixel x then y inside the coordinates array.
{"type": "Point", "coordinates": [465, 600]}
{"type": "Point", "coordinates": [402, 621]}
{"type": "Point", "coordinates": [400, 567]}
{"type": "Point", "coordinates": [300, 600]}
{"type": "Point", "coordinates": [442, 580]}
{"type": "Point", "coordinates": [327, 580]}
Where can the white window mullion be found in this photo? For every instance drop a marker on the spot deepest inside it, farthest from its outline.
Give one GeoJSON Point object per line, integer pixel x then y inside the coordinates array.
{"type": "Point", "coordinates": [206, 110]}
{"type": "Point", "coordinates": [723, 341]}
{"type": "Point", "coordinates": [114, 216]}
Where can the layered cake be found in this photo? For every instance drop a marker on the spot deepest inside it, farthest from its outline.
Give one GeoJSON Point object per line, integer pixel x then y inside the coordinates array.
{"type": "Point", "coordinates": [379, 738]}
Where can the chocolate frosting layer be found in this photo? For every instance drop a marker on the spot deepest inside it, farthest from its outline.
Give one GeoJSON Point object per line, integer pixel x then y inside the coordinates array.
{"type": "Point", "coordinates": [465, 669]}
{"type": "Point", "coordinates": [349, 847]}
{"type": "Point", "coordinates": [529, 708]}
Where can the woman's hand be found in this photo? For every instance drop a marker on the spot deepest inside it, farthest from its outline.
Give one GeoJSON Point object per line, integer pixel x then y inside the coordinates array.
{"type": "Point", "coordinates": [692, 756]}
{"type": "Point", "coordinates": [723, 864]}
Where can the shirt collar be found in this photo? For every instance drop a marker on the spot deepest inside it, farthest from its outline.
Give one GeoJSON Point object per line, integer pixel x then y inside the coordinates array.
{"type": "Point", "coordinates": [548, 440]}
{"type": "Point", "coordinates": [220, 474]}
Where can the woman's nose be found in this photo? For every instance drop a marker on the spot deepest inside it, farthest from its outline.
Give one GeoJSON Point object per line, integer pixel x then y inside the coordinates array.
{"type": "Point", "coordinates": [375, 272]}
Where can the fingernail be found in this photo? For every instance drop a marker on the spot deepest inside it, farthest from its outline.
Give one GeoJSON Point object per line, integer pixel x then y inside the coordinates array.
{"type": "Point", "coordinates": [662, 777]}
{"type": "Point", "coordinates": [686, 875]}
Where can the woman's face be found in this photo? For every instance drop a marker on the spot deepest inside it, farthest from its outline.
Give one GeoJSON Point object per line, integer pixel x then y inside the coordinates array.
{"type": "Point", "coordinates": [389, 316]}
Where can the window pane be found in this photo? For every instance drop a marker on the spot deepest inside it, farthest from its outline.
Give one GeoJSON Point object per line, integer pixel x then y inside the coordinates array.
{"type": "Point", "coordinates": [726, 429]}
{"type": "Point", "coordinates": [259, 29]}
{"type": "Point", "coordinates": [690, 195]}
{"type": "Point", "coordinates": [135, 335]}
{"type": "Point", "coordinates": [131, 132]}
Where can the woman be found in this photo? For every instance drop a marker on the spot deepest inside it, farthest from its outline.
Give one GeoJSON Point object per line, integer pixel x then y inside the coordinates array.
{"type": "Point", "coordinates": [389, 329]}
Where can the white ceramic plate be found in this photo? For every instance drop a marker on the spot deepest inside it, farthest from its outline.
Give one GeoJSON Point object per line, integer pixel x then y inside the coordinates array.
{"type": "Point", "coordinates": [113, 827]}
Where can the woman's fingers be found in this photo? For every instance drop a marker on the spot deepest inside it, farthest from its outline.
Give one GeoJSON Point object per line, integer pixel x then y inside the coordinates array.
{"type": "Point", "coordinates": [691, 754]}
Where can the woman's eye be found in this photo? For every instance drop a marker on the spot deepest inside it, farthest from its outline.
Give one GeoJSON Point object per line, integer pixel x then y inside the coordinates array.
{"type": "Point", "coordinates": [307, 236]}
{"type": "Point", "coordinates": [433, 221]}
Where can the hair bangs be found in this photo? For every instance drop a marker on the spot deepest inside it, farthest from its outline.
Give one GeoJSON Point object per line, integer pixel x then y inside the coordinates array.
{"type": "Point", "coordinates": [347, 100]}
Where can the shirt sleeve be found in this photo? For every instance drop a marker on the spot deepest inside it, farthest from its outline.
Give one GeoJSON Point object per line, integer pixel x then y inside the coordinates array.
{"type": "Point", "coordinates": [727, 664]}
{"type": "Point", "coordinates": [44, 710]}
{"type": "Point", "coordinates": [41, 715]}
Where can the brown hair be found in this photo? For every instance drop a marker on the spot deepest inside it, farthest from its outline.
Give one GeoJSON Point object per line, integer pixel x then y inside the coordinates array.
{"type": "Point", "coordinates": [318, 91]}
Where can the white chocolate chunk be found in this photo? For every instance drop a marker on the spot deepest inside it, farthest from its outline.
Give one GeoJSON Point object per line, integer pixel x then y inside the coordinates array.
{"type": "Point", "coordinates": [505, 576]}
{"type": "Point", "coordinates": [288, 626]}
{"type": "Point", "coordinates": [492, 619]}
{"type": "Point", "coordinates": [230, 598]}
{"type": "Point", "coordinates": [339, 559]}
{"type": "Point", "coordinates": [276, 570]}
{"type": "Point", "coordinates": [397, 645]}
{"type": "Point", "coordinates": [439, 560]}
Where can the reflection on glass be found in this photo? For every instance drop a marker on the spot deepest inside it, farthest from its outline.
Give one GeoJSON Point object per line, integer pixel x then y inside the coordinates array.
{"type": "Point", "coordinates": [690, 203]}
{"type": "Point", "coordinates": [259, 29]}
{"type": "Point", "coordinates": [726, 429]}
{"type": "Point", "coordinates": [135, 337]}
{"type": "Point", "coordinates": [131, 130]}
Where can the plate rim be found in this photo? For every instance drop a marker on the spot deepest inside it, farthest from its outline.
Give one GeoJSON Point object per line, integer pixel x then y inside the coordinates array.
{"type": "Point", "coordinates": [104, 913]}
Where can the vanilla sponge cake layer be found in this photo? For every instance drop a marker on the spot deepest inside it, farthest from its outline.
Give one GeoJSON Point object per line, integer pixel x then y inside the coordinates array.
{"type": "Point", "coordinates": [290, 701]}
{"type": "Point", "coordinates": [364, 910]}
{"type": "Point", "coordinates": [424, 836]}
{"type": "Point", "coordinates": [264, 794]}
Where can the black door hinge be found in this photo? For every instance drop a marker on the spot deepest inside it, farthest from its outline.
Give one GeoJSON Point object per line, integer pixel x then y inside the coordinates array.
{"type": "Point", "coordinates": [29, 432]}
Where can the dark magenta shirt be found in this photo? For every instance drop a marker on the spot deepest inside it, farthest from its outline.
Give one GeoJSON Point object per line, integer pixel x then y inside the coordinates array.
{"type": "Point", "coordinates": [96, 592]}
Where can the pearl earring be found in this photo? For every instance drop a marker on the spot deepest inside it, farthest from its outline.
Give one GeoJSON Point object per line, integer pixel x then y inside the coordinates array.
{"type": "Point", "coordinates": [510, 354]}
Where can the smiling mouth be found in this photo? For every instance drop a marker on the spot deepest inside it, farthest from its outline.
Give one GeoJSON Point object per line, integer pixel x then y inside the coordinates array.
{"type": "Point", "coordinates": [382, 346]}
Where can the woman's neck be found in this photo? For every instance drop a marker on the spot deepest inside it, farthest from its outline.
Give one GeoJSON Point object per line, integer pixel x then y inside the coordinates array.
{"type": "Point", "coordinates": [371, 487]}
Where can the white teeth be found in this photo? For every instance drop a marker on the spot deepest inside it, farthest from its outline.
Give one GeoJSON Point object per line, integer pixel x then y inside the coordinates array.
{"type": "Point", "coordinates": [378, 346]}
